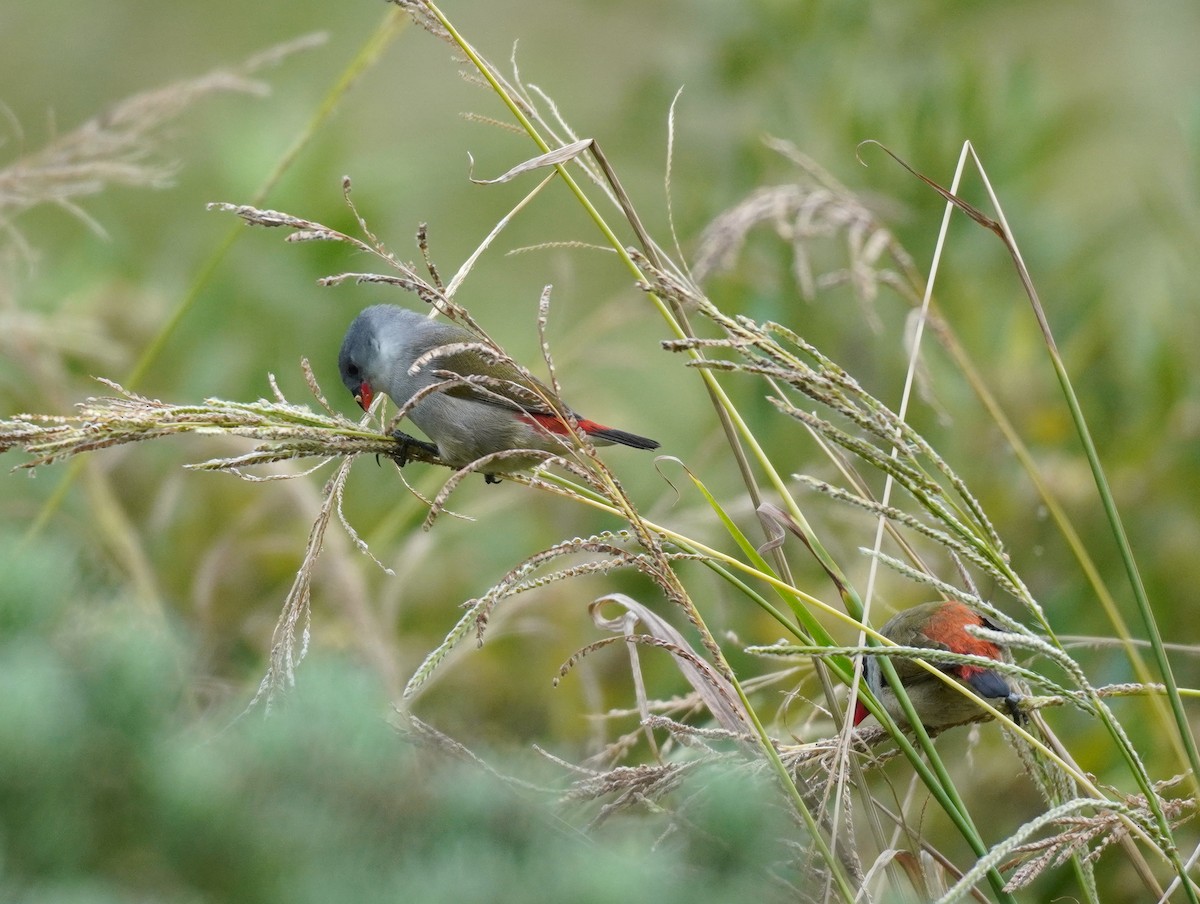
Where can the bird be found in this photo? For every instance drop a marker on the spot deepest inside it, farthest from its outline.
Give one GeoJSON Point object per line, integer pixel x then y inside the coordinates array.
{"type": "Point", "coordinates": [940, 626]}
{"type": "Point", "coordinates": [465, 421]}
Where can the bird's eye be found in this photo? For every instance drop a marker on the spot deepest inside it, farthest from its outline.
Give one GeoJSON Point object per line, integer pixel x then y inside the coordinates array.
{"type": "Point", "coordinates": [352, 369]}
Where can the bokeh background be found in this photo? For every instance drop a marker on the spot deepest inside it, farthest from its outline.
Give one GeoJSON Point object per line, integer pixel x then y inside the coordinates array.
{"type": "Point", "coordinates": [1085, 114]}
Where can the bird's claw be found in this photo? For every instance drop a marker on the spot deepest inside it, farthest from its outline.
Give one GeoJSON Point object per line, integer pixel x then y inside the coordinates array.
{"type": "Point", "coordinates": [1013, 703]}
{"type": "Point", "coordinates": [406, 443]}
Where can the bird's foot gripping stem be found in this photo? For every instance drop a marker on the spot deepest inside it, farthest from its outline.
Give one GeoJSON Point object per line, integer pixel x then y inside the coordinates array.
{"type": "Point", "coordinates": [408, 443]}
{"type": "Point", "coordinates": [1013, 703]}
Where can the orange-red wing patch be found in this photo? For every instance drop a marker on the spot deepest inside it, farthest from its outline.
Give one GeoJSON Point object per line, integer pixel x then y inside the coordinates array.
{"type": "Point", "coordinates": [946, 628]}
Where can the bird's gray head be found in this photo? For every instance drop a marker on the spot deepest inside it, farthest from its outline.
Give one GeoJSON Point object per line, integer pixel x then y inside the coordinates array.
{"type": "Point", "coordinates": [360, 359]}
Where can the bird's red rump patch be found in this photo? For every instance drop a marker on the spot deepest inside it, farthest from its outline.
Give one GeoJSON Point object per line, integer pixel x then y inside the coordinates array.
{"type": "Point", "coordinates": [860, 712]}
{"type": "Point", "coordinates": [554, 425]}
{"type": "Point", "coordinates": [545, 421]}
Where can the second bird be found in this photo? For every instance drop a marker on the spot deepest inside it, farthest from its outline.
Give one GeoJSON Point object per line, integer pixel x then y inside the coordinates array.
{"type": "Point", "coordinates": [940, 626]}
{"type": "Point", "coordinates": [464, 421]}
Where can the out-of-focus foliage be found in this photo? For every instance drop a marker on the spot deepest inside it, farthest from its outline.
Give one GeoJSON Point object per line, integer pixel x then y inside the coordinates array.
{"type": "Point", "coordinates": [113, 787]}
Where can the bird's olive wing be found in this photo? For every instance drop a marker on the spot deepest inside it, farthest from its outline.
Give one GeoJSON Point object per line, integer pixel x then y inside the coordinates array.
{"type": "Point", "coordinates": [503, 384]}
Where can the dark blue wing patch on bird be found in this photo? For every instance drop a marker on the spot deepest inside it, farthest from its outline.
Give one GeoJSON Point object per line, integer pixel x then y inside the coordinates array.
{"type": "Point", "coordinates": [989, 685]}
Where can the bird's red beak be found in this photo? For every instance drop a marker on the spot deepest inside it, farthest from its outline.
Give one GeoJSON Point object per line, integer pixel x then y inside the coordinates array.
{"type": "Point", "coordinates": [364, 396]}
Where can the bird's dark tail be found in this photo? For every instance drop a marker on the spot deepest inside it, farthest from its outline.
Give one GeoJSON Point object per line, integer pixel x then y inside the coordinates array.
{"type": "Point", "coordinates": [598, 432]}
{"type": "Point", "coordinates": [608, 434]}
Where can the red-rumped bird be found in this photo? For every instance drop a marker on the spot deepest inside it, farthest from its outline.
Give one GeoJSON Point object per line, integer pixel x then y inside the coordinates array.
{"type": "Point", "coordinates": [465, 421]}
{"type": "Point", "coordinates": [940, 626]}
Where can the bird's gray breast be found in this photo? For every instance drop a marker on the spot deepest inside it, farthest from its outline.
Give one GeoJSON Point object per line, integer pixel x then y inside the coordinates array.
{"type": "Point", "coordinates": [465, 430]}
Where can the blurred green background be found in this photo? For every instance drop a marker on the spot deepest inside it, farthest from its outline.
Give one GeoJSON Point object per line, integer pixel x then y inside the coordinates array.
{"type": "Point", "coordinates": [1085, 114]}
